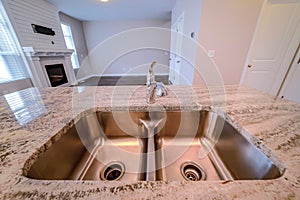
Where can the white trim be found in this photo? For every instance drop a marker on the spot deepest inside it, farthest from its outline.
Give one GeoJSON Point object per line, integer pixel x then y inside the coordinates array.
{"type": "Point", "coordinates": [287, 58]}
{"type": "Point", "coordinates": [30, 51]}
{"type": "Point", "coordinates": [178, 51]}
{"type": "Point", "coordinates": [181, 17]}
{"type": "Point", "coordinates": [292, 51]}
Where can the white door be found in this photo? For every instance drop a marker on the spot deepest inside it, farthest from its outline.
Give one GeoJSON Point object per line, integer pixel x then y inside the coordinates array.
{"type": "Point", "coordinates": [175, 58]}
{"type": "Point", "coordinates": [291, 86]}
{"type": "Point", "coordinates": [266, 62]}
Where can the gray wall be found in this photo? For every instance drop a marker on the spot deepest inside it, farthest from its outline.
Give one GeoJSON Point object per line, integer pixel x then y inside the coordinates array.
{"type": "Point", "coordinates": [78, 35]}
{"type": "Point", "coordinates": [134, 63]}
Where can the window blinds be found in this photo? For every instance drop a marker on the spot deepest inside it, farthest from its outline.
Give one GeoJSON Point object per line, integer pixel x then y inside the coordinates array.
{"type": "Point", "coordinates": [12, 65]}
{"type": "Point", "coordinates": [70, 44]}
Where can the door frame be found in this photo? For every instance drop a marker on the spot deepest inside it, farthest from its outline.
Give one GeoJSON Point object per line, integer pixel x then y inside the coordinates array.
{"type": "Point", "coordinates": [289, 74]}
{"type": "Point", "coordinates": [172, 56]}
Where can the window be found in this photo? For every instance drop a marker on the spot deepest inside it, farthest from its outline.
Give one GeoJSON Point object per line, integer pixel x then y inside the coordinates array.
{"type": "Point", "coordinates": [12, 64]}
{"type": "Point", "coordinates": [70, 44]}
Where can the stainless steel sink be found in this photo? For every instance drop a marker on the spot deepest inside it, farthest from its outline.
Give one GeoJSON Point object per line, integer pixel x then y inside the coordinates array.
{"type": "Point", "coordinates": [95, 148]}
{"type": "Point", "coordinates": [174, 145]}
{"type": "Point", "coordinates": [211, 150]}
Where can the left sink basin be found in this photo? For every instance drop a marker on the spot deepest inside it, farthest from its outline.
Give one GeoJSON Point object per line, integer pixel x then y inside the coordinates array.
{"type": "Point", "coordinates": [95, 149]}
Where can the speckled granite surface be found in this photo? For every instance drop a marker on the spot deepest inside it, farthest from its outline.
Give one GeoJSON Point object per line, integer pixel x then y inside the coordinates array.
{"type": "Point", "coordinates": [29, 119]}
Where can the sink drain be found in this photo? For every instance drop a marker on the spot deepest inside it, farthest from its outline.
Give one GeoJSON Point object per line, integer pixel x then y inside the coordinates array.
{"type": "Point", "coordinates": [113, 172]}
{"type": "Point", "coordinates": [192, 172]}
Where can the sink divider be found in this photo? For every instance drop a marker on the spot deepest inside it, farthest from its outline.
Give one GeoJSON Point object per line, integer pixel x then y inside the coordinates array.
{"type": "Point", "coordinates": [150, 132]}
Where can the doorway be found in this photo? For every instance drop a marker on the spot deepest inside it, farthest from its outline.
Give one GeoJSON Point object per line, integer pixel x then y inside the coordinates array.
{"type": "Point", "coordinates": [273, 46]}
{"type": "Point", "coordinates": [175, 54]}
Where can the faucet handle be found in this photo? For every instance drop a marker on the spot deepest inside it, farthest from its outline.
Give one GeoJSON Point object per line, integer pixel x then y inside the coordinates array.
{"type": "Point", "coordinates": [161, 89]}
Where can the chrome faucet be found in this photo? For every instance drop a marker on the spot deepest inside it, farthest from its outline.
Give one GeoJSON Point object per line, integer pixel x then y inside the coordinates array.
{"type": "Point", "coordinates": [154, 88]}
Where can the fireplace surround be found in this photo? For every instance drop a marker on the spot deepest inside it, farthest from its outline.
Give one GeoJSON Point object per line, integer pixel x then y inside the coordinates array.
{"type": "Point", "coordinates": [39, 62]}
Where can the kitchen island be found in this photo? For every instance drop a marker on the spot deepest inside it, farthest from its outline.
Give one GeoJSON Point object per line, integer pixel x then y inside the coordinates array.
{"type": "Point", "coordinates": [33, 119]}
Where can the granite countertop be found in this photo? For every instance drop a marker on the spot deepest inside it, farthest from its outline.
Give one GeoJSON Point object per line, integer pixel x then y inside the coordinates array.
{"type": "Point", "coordinates": [29, 118]}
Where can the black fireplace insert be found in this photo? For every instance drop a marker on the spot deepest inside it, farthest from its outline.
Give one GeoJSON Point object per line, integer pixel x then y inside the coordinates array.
{"type": "Point", "coordinates": [56, 74]}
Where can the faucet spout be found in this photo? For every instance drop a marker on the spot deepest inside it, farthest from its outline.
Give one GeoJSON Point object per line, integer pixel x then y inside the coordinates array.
{"type": "Point", "coordinates": [154, 88]}
{"type": "Point", "coordinates": [150, 75]}
{"type": "Point", "coordinates": [151, 93]}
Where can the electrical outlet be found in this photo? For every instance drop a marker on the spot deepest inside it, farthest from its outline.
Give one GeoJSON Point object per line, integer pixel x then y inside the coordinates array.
{"type": "Point", "coordinates": [211, 53]}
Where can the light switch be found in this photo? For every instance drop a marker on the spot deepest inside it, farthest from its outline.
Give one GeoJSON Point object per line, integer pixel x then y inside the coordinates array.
{"type": "Point", "coordinates": [211, 53]}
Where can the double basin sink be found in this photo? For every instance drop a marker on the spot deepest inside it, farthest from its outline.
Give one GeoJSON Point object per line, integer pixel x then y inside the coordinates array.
{"type": "Point", "coordinates": [153, 146]}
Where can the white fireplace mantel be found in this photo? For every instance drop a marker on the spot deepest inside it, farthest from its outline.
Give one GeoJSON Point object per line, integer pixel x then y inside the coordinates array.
{"type": "Point", "coordinates": [47, 52]}
{"type": "Point", "coordinates": [38, 58]}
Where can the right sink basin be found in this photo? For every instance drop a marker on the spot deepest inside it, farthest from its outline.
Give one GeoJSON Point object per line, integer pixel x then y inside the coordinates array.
{"type": "Point", "coordinates": [203, 146]}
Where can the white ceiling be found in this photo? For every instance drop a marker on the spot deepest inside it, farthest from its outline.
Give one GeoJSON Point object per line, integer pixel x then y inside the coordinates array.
{"type": "Point", "coordinates": [94, 10]}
